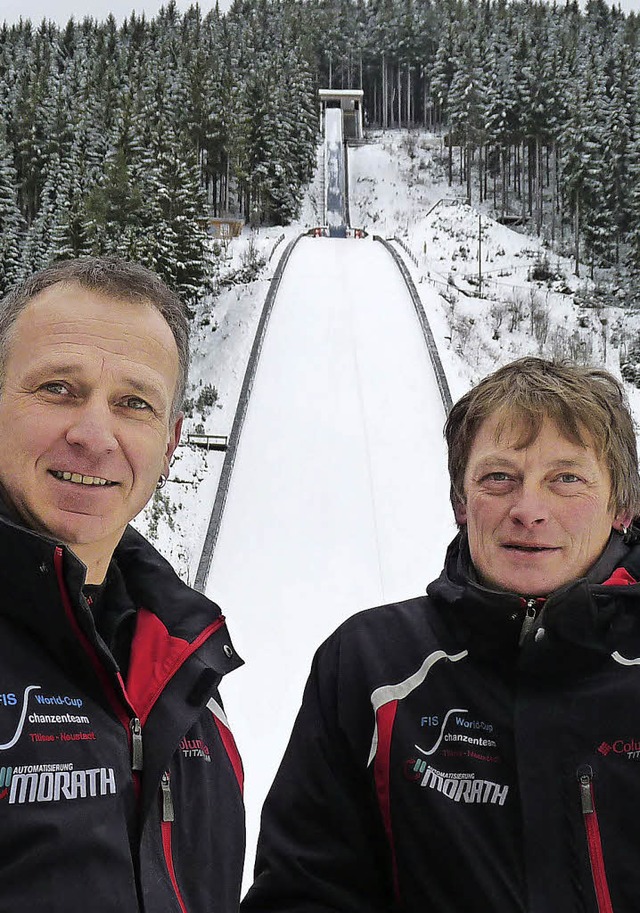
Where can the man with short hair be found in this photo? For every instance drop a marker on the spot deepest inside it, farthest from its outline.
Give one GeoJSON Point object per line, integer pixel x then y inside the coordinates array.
{"type": "Point", "coordinates": [120, 783]}
{"type": "Point", "coordinates": [477, 749]}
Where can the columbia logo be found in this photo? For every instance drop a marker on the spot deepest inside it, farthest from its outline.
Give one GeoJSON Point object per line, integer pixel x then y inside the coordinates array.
{"type": "Point", "coordinates": [605, 748]}
{"type": "Point", "coordinates": [195, 748]}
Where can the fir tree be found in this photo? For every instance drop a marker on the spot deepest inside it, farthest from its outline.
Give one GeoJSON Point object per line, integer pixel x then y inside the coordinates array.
{"type": "Point", "coordinates": [11, 221]}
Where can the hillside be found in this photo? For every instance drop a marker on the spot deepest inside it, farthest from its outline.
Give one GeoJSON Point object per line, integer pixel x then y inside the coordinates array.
{"type": "Point", "coordinates": [398, 189]}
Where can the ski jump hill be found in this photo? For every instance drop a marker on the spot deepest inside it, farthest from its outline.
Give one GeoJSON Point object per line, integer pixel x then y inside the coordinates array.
{"type": "Point", "coordinates": [333, 497]}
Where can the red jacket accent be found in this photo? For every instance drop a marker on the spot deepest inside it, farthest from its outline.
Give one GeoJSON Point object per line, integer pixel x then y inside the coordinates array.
{"type": "Point", "coordinates": [620, 577]}
{"type": "Point", "coordinates": [155, 658]}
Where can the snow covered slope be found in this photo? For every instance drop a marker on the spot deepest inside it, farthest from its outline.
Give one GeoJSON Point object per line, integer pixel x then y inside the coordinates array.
{"type": "Point", "coordinates": [337, 499]}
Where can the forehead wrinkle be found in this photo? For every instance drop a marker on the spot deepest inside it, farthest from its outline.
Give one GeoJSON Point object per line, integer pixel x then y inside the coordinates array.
{"type": "Point", "coordinates": [68, 337]}
{"type": "Point", "coordinates": [74, 342]}
{"type": "Point", "coordinates": [116, 312]}
{"type": "Point", "coordinates": [497, 459]}
{"type": "Point", "coordinates": [74, 361]}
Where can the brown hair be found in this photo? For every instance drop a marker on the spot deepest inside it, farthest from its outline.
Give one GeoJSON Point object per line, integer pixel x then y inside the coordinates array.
{"type": "Point", "coordinates": [588, 406]}
{"type": "Point", "coordinates": [113, 278]}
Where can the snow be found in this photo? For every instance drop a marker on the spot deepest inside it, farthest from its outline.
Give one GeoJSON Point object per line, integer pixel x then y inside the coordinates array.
{"type": "Point", "coordinates": [338, 499]}
{"type": "Point", "coordinates": [338, 473]}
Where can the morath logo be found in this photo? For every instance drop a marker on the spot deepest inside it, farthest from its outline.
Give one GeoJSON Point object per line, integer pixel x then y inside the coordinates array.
{"type": "Point", "coordinates": [6, 773]}
{"type": "Point", "coordinates": [54, 783]}
{"type": "Point", "coordinates": [458, 787]}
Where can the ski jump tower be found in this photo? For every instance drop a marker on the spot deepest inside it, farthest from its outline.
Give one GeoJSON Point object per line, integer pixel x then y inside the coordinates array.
{"type": "Point", "coordinates": [349, 101]}
{"type": "Point", "coordinates": [341, 120]}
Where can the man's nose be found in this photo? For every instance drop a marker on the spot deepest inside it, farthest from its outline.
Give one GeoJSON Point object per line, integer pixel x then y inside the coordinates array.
{"type": "Point", "coordinates": [91, 427]}
{"type": "Point", "coordinates": [530, 506]}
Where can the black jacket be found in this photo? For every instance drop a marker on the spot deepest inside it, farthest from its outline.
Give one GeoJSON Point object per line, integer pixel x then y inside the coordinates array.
{"type": "Point", "coordinates": [94, 814]}
{"type": "Point", "coordinates": [438, 765]}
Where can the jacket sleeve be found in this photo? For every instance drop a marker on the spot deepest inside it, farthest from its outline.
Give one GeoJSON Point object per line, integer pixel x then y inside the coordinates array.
{"type": "Point", "coordinates": [322, 847]}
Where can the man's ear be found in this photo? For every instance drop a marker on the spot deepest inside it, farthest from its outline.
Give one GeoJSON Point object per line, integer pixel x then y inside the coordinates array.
{"type": "Point", "coordinates": [623, 520]}
{"type": "Point", "coordinates": [172, 443]}
{"type": "Point", "coordinates": [460, 512]}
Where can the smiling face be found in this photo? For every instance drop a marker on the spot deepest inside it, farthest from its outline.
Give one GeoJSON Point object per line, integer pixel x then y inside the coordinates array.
{"type": "Point", "coordinates": [85, 417]}
{"type": "Point", "coordinates": [537, 517]}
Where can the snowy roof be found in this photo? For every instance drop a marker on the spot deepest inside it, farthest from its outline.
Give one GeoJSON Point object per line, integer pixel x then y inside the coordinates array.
{"type": "Point", "coordinates": [341, 93]}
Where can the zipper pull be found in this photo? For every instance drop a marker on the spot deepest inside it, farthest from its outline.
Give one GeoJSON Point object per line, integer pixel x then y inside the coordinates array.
{"type": "Point", "coordinates": [167, 801]}
{"type": "Point", "coordinates": [529, 618]}
{"type": "Point", "coordinates": [136, 744]}
{"type": "Point", "coordinates": [585, 777]}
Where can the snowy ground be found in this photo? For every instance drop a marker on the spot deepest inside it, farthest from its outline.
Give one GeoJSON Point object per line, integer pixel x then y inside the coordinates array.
{"type": "Point", "coordinates": [336, 502]}
{"type": "Point", "coordinates": [397, 189]}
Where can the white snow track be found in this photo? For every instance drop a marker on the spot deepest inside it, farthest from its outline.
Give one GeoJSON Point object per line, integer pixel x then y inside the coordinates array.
{"type": "Point", "coordinates": [338, 498]}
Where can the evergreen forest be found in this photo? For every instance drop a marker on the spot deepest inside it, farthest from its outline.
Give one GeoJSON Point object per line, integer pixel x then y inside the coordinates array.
{"type": "Point", "coordinates": [123, 138]}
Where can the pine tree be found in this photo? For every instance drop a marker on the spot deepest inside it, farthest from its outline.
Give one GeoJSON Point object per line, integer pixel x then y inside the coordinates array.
{"type": "Point", "coordinates": [11, 222]}
{"type": "Point", "coordinates": [633, 201]}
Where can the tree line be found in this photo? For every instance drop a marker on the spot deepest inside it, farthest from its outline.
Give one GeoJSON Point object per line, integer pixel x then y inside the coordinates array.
{"type": "Point", "coordinates": [121, 138]}
{"type": "Point", "coordinates": [539, 102]}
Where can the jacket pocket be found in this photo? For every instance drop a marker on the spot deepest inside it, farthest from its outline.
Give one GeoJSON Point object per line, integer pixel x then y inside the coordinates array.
{"type": "Point", "coordinates": [594, 843]}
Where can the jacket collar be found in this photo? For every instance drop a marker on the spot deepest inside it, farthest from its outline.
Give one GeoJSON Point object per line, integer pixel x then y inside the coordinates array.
{"type": "Point", "coordinates": [584, 615]}
{"type": "Point", "coordinates": [31, 595]}
{"type": "Point", "coordinates": [459, 576]}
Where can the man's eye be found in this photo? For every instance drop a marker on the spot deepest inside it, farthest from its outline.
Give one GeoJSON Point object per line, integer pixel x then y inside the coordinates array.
{"type": "Point", "coordinates": [568, 477]}
{"type": "Point", "coordinates": [55, 386]}
{"type": "Point", "coordinates": [134, 402]}
{"type": "Point", "coordinates": [497, 477]}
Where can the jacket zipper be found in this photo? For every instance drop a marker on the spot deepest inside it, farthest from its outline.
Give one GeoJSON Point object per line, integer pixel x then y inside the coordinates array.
{"type": "Point", "coordinates": [168, 817]}
{"type": "Point", "coordinates": [594, 843]}
{"type": "Point", "coordinates": [136, 744]}
{"type": "Point", "coordinates": [122, 708]}
{"type": "Point", "coordinates": [529, 619]}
